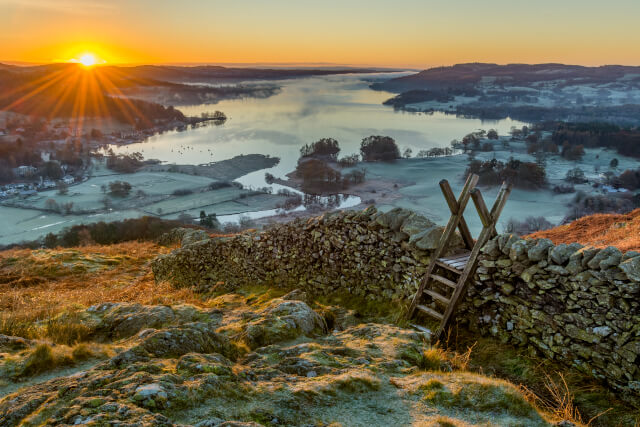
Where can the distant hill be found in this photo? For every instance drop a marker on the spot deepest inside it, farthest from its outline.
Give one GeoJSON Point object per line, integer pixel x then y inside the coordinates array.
{"type": "Point", "coordinates": [530, 93]}
{"type": "Point", "coordinates": [464, 75]}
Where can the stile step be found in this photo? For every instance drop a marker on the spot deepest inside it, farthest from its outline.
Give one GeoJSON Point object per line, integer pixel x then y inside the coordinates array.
{"type": "Point", "coordinates": [444, 281]}
{"type": "Point", "coordinates": [431, 312]}
{"type": "Point", "coordinates": [448, 267]}
{"type": "Point", "coordinates": [437, 296]}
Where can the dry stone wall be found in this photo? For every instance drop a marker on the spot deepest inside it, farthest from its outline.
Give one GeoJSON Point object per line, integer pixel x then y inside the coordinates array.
{"type": "Point", "coordinates": [575, 304]}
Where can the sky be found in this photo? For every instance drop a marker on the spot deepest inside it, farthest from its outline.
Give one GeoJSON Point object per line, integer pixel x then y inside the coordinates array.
{"type": "Point", "coordinates": [393, 33]}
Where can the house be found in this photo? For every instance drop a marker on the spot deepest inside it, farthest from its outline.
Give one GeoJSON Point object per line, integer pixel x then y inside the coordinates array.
{"type": "Point", "coordinates": [68, 179]}
{"type": "Point", "coordinates": [47, 184]}
{"type": "Point", "coordinates": [26, 171]}
{"type": "Point", "coordinates": [27, 192]}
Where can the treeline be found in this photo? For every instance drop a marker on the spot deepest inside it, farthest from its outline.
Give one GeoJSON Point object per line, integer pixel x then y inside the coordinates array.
{"type": "Point", "coordinates": [596, 134]}
{"type": "Point", "coordinates": [105, 233]}
{"type": "Point", "coordinates": [527, 175]}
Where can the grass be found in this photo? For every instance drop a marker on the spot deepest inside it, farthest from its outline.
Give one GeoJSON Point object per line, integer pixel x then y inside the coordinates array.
{"type": "Point", "coordinates": [599, 230]}
{"type": "Point", "coordinates": [117, 273]}
{"type": "Point", "coordinates": [45, 358]}
{"type": "Point", "coordinates": [564, 393]}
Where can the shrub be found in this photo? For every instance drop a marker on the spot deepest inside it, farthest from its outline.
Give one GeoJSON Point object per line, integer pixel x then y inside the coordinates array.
{"type": "Point", "coordinates": [182, 192]}
{"type": "Point", "coordinates": [529, 225]}
{"type": "Point", "coordinates": [216, 185]}
{"type": "Point", "coordinates": [379, 148]}
{"type": "Point", "coordinates": [119, 188]}
{"type": "Point", "coordinates": [492, 134]}
{"type": "Point", "coordinates": [348, 161]}
{"type": "Point", "coordinates": [575, 176]}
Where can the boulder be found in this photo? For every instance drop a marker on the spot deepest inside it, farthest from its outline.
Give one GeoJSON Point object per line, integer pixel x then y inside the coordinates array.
{"type": "Point", "coordinates": [415, 224]}
{"type": "Point", "coordinates": [540, 250]}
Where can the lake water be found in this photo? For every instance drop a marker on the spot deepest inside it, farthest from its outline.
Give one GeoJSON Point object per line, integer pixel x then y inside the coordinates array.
{"type": "Point", "coordinates": [341, 107]}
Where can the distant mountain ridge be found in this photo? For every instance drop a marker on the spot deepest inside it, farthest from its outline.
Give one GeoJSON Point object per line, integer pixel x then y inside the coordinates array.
{"type": "Point", "coordinates": [470, 74]}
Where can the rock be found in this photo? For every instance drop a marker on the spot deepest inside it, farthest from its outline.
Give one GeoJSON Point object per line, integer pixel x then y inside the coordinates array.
{"type": "Point", "coordinates": [607, 257]}
{"type": "Point", "coordinates": [631, 267]}
{"type": "Point", "coordinates": [427, 239]}
{"type": "Point", "coordinates": [150, 392]}
{"type": "Point", "coordinates": [518, 249]}
{"type": "Point", "coordinates": [561, 253]}
{"type": "Point", "coordinates": [281, 321]}
{"type": "Point", "coordinates": [415, 224]}
{"type": "Point", "coordinates": [540, 250]}
{"type": "Point", "coordinates": [193, 236]}
{"type": "Point", "coordinates": [394, 218]}
{"type": "Point", "coordinates": [9, 343]}
{"type": "Point", "coordinates": [491, 248]}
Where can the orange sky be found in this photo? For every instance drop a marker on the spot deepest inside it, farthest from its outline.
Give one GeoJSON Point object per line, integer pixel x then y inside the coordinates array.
{"type": "Point", "coordinates": [398, 33]}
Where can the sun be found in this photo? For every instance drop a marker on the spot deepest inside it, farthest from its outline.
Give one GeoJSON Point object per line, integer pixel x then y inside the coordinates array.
{"type": "Point", "coordinates": [88, 60]}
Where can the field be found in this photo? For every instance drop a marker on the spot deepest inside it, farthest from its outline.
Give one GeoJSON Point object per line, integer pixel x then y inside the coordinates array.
{"type": "Point", "coordinates": [419, 178]}
{"type": "Point", "coordinates": [159, 193]}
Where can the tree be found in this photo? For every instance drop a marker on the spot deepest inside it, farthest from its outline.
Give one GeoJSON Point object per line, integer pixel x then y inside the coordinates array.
{"type": "Point", "coordinates": [492, 134]}
{"type": "Point", "coordinates": [63, 188]}
{"type": "Point", "coordinates": [119, 188]}
{"type": "Point", "coordinates": [52, 170]}
{"type": "Point", "coordinates": [407, 153]}
{"type": "Point", "coordinates": [209, 221]}
{"type": "Point", "coordinates": [614, 163]}
{"type": "Point", "coordinates": [51, 205]}
{"type": "Point", "coordinates": [328, 147]}
{"type": "Point", "coordinates": [50, 241]}
{"type": "Point", "coordinates": [379, 148]}
{"type": "Point", "coordinates": [67, 207]}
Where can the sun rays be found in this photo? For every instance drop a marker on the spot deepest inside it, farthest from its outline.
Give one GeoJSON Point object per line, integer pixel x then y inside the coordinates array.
{"type": "Point", "coordinates": [75, 91]}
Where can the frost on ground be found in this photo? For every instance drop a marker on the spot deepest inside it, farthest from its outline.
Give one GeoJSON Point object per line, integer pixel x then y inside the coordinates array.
{"type": "Point", "coordinates": [252, 358]}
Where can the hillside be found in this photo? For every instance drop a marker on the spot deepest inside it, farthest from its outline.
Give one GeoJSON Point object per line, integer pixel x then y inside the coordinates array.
{"type": "Point", "coordinates": [600, 230]}
{"type": "Point", "coordinates": [530, 93]}
{"type": "Point", "coordinates": [89, 337]}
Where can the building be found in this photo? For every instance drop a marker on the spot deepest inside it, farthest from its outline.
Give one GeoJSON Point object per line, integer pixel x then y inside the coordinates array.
{"type": "Point", "coordinates": [26, 171]}
{"type": "Point", "coordinates": [68, 179]}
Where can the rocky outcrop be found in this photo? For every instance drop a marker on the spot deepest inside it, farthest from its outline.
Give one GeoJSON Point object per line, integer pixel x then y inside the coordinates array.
{"type": "Point", "coordinates": [291, 369]}
{"type": "Point", "coordinates": [578, 305]}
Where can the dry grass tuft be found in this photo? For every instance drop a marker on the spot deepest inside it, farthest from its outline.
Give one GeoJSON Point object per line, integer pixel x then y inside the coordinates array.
{"type": "Point", "coordinates": [65, 280]}
{"type": "Point", "coordinates": [599, 230]}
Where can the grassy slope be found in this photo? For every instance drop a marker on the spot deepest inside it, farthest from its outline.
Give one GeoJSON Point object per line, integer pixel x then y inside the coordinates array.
{"type": "Point", "coordinates": [41, 290]}
{"type": "Point", "coordinates": [600, 230]}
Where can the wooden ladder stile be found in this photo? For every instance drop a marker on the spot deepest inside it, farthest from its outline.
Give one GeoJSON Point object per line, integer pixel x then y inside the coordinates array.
{"type": "Point", "coordinates": [457, 208]}
{"type": "Point", "coordinates": [462, 264]}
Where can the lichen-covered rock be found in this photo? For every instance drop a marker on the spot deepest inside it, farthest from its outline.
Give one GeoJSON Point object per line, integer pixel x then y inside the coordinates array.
{"type": "Point", "coordinates": [541, 250]}
{"type": "Point", "coordinates": [282, 321]}
{"type": "Point", "coordinates": [415, 224]}
{"type": "Point", "coordinates": [560, 254]}
{"type": "Point", "coordinates": [631, 268]}
{"type": "Point", "coordinates": [607, 257]}
{"type": "Point", "coordinates": [193, 236]}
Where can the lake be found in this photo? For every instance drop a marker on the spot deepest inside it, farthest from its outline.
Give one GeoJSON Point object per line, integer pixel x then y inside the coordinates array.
{"type": "Point", "coordinates": [340, 107]}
